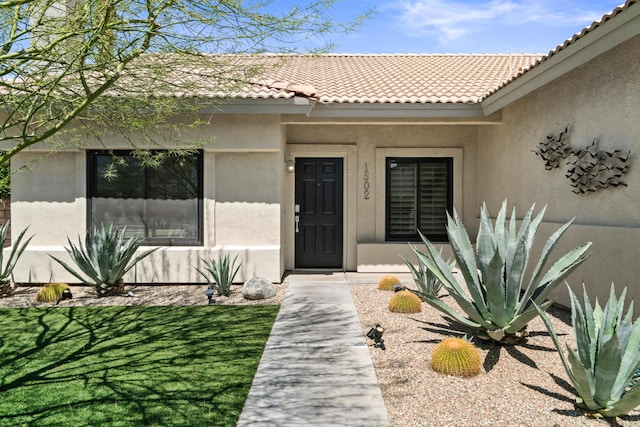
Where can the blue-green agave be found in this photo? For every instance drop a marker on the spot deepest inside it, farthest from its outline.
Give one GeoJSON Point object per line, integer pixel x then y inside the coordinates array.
{"type": "Point", "coordinates": [17, 248]}
{"type": "Point", "coordinates": [424, 279]}
{"type": "Point", "coordinates": [220, 273]}
{"type": "Point", "coordinates": [105, 258]}
{"type": "Point", "coordinates": [497, 300]}
{"type": "Point", "coordinates": [603, 366]}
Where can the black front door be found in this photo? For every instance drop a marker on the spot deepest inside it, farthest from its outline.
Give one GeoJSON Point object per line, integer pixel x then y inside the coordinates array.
{"type": "Point", "coordinates": [318, 213]}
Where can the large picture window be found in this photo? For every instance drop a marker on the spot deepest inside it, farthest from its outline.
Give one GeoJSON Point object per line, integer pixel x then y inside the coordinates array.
{"type": "Point", "coordinates": [418, 196]}
{"type": "Point", "coordinates": [162, 204]}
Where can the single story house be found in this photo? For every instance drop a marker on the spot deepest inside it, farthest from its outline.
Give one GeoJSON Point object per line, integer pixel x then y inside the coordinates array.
{"type": "Point", "coordinates": [333, 161]}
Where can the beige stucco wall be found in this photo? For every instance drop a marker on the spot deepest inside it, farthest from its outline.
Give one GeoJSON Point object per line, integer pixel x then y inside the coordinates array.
{"type": "Point", "coordinates": [243, 172]}
{"type": "Point", "coordinates": [600, 99]}
{"type": "Point", "coordinates": [249, 196]}
{"type": "Point", "coordinates": [364, 147]}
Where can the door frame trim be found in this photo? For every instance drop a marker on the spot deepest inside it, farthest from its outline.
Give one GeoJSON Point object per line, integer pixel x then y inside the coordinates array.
{"type": "Point", "coordinates": [337, 259]}
{"type": "Point", "coordinates": [349, 200]}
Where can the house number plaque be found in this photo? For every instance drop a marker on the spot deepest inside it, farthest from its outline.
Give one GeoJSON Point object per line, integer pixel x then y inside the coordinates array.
{"type": "Point", "coordinates": [366, 182]}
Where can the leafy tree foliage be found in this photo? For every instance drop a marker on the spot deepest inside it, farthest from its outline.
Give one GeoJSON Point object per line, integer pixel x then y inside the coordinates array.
{"type": "Point", "coordinates": [87, 65]}
{"type": "Point", "coordinates": [5, 181]}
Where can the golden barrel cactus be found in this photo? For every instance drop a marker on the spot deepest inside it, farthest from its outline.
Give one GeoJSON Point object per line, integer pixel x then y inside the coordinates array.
{"type": "Point", "coordinates": [405, 302]}
{"type": "Point", "coordinates": [51, 292]}
{"type": "Point", "coordinates": [456, 356]}
{"type": "Point", "coordinates": [387, 282]}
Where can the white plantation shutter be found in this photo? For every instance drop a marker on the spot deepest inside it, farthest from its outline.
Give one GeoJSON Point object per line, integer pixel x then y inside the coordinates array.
{"type": "Point", "coordinates": [403, 205]}
{"type": "Point", "coordinates": [433, 198]}
{"type": "Point", "coordinates": [418, 197]}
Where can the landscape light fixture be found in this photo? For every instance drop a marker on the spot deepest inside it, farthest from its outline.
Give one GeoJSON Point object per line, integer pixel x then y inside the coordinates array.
{"type": "Point", "coordinates": [66, 294]}
{"type": "Point", "coordinates": [209, 294]}
{"type": "Point", "coordinates": [375, 334]}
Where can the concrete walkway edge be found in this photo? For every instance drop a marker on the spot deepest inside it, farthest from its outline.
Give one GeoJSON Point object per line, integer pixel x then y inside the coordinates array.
{"type": "Point", "coordinates": [315, 369]}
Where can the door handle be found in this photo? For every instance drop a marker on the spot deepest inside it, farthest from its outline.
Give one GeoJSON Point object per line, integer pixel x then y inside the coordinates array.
{"type": "Point", "coordinates": [297, 220]}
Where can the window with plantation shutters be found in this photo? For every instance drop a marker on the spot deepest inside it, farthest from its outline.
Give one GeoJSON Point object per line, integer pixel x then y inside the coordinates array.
{"type": "Point", "coordinates": [418, 197]}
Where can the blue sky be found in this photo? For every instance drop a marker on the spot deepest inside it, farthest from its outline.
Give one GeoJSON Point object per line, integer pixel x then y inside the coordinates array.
{"type": "Point", "coordinates": [467, 26]}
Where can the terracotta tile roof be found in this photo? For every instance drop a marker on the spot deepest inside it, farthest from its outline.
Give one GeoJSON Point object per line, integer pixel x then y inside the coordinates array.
{"type": "Point", "coordinates": [348, 78]}
{"type": "Point", "coordinates": [617, 11]}
{"type": "Point", "coordinates": [338, 78]}
{"type": "Point", "coordinates": [397, 79]}
{"type": "Point", "coordinates": [415, 79]}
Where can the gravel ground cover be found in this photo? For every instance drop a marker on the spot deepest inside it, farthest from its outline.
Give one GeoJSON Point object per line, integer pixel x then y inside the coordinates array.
{"type": "Point", "coordinates": [161, 294]}
{"type": "Point", "coordinates": [522, 385]}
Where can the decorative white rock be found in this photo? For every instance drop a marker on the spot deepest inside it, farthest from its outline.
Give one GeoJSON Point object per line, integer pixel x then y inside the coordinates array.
{"type": "Point", "coordinates": [258, 288]}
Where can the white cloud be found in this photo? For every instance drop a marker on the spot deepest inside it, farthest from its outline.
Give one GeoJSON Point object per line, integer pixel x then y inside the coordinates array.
{"type": "Point", "coordinates": [449, 21]}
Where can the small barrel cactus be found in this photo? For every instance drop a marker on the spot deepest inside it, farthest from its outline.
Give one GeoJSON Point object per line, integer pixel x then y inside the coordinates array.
{"type": "Point", "coordinates": [456, 356]}
{"type": "Point", "coordinates": [405, 302]}
{"type": "Point", "coordinates": [387, 283]}
{"type": "Point", "coordinates": [51, 292]}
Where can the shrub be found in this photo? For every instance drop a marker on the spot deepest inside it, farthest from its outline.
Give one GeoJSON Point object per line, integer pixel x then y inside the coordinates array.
{"type": "Point", "coordinates": [603, 367]}
{"type": "Point", "coordinates": [387, 282]}
{"type": "Point", "coordinates": [51, 292]}
{"type": "Point", "coordinates": [497, 301]}
{"type": "Point", "coordinates": [5, 180]}
{"type": "Point", "coordinates": [6, 269]}
{"type": "Point", "coordinates": [424, 279]}
{"type": "Point", "coordinates": [456, 356]}
{"type": "Point", "coordinates": [220, 273]}
{"type": "Point", "coordinates": [104, 259]}
{"type": "Point", "coordinates": [405, 302]}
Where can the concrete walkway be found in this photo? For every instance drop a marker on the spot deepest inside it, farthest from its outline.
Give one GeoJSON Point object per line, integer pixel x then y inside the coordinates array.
{"type": "Point", "coordinates": [316, 369]}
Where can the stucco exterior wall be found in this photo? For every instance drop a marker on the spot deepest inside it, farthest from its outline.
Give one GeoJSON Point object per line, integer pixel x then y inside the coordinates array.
{"type": "Point", "coordinates": [242, 176]}
{"type": "Point", "coordinates": [369, 144]}
{"type": "Point", "coordinates": [599, 100]}
{"type": "Point", "coordinates": [248, 196]}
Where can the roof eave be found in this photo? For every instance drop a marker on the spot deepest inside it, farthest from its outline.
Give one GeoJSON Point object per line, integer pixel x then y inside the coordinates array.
{"type": "Point", "coordinates": [313, 109]}
{"type": "Point", "coordinates": [603, 38]}
{"type": "Point", "coordinates": [397, 110]}
{"type": "Point", "coordinates": [293, 105]}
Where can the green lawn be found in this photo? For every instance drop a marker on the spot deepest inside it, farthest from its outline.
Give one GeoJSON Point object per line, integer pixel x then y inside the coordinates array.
{"type": "Point", "coordinates": [129, 366]}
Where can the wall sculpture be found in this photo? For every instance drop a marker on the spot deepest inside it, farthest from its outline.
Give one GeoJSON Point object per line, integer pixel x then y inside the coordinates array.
{"type": "Point", "coordinates": [590, 169]}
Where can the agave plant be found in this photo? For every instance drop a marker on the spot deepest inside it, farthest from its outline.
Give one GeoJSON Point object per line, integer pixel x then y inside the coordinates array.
{"type": "Point", "coordinates": [424, 279]}
{"type": "Point", "coordinates": [17, 248]}
{"type": "Point", "coordinates": [104, 259]}
{"type": "Point", "coordinates": [220, 273]}
{"type": "Point", "coordinates": [603, 367]}
{"type": "Point", "coordinates": [498, 301]}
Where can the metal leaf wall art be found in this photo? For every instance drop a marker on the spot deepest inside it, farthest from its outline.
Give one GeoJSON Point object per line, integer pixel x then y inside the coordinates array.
{"type": "Point", "coordinates": [554, 149]}
{"type": "Point", "coordinates": [590, 169]}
